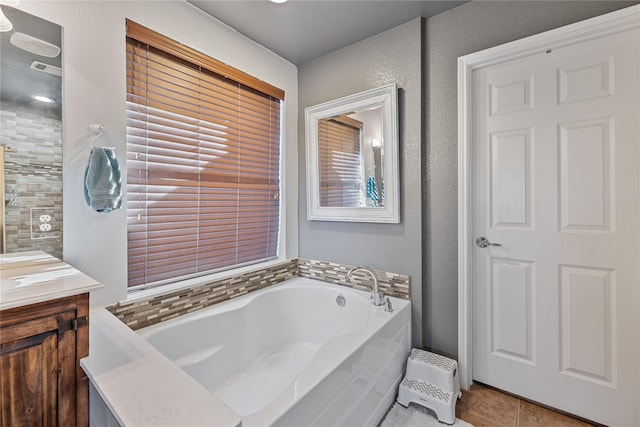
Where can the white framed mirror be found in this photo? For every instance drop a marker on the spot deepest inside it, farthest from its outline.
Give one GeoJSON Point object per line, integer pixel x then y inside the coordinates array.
{"type": "Point", "coordinates": [352, 158]}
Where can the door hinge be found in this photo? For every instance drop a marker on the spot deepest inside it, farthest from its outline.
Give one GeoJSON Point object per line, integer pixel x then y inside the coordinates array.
{"type": "Point", "coordinates": [78, 322]}
{"type": "Point", "coordinates": [71, 325]}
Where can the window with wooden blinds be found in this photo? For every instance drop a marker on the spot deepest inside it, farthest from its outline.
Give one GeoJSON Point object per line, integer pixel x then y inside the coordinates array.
{"type": "Point", "coordinates": [203, 163]}
{"type": "Point", "coordinates": [341, 171]}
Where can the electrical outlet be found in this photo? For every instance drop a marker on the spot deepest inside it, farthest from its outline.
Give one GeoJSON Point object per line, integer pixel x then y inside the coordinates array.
{"type": "Point", "coordinates": [45, 222]}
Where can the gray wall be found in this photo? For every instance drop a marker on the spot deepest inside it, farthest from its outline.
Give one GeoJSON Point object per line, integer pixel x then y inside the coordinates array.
{"type": "Point", "coordinates": [469, 28]}
{"type": "Point", "coordinates": [390, 57]}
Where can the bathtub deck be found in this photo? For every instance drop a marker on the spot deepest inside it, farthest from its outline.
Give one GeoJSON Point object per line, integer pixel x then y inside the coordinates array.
{"type": "Point", "coordinates": [253, 389]}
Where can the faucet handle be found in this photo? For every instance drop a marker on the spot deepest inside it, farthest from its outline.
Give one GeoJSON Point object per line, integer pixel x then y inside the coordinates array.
{"type": "Point", "coordinates": [387, 305]}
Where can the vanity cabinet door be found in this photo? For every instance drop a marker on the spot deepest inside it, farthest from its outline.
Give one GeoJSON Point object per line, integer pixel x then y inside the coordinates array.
{"type": "Point", "coordinates": [39, 366]}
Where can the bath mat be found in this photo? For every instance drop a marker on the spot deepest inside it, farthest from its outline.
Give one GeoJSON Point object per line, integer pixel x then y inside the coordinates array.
{"type": "Point", "coordinates": [415, 415]}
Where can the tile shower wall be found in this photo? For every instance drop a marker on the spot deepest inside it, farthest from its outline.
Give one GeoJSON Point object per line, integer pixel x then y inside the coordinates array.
{"type": "Point", "coordinates": [140, 314]}
{"type": "Point", "coordinates": [33, 182]}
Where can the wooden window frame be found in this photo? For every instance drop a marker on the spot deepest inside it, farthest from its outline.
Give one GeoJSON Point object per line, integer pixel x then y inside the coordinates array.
{"type": "Point", "coordinates": [157, 40]}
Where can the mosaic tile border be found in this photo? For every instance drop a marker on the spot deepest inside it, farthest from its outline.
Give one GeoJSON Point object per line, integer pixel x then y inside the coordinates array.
{"type": "Point", "coordinates": [139, 314]}
{"type": "Point", "coordinates": [392, 284]}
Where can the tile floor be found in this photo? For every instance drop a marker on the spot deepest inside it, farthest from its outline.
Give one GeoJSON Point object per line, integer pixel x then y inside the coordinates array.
{"type": "Point", "coordinates": [484, 406]}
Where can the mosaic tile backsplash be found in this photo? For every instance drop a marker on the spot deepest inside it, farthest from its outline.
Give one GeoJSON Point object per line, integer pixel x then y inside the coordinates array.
{"type": "Point", "coordinates": [392, 284]}
{"type": "Point", "coordinates": [139, 314]}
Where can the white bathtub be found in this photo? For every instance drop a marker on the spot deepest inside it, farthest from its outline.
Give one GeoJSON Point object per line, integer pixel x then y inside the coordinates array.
{"type": "Point", "coordinates": [290, 355]}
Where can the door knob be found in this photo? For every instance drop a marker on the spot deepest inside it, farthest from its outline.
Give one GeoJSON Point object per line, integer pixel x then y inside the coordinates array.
{"type": "Point", "coordinates": [483, 242]}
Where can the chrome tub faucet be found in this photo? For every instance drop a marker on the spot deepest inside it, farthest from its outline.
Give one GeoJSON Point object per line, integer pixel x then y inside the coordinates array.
{"type": "Point", "coordinates": [376, 296]}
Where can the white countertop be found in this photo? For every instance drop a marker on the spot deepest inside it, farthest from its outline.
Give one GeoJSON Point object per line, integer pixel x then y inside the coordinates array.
{"type": "Point", "coordinates": [140, 386]}
{"type": "Point", "coordinates": [32, 277]}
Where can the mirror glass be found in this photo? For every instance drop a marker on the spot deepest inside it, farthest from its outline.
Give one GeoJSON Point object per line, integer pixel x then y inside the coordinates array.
{"type": "Point", "coordinates": [30, 133]}
{"type": "Point", "coordinates": [350, 159]}
{"type": "Point", "coordinates": [352, 148]}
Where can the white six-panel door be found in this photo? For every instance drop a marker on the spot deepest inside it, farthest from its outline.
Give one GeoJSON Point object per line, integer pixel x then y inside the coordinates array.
{"type": "Point", "coordinates": [556, 183]}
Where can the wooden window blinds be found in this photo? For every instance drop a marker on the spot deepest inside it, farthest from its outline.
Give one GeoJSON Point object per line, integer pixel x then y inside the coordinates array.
{"type": "Point", "coordinates": [203, 156]}
{"type": "Point", "coordinates": [341, 170]}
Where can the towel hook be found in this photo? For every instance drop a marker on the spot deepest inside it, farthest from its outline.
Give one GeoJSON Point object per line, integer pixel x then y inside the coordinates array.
{"type": "Point", "coordinates": [97, 130]}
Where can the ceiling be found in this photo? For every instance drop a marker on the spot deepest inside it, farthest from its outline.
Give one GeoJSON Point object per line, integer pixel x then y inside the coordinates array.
{"type": "Point", "coordinates": [17, 80]}
{"type": "Point", "coordinates": [303, 30]}
{"type": "Point", "coordinates": [299, 31]}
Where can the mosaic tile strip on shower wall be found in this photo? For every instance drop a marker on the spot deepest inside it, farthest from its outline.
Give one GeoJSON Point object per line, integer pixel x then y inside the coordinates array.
{"type": "Point", "coordinates": [140, 314]}
{"type": "Point", "coordinates": [393, 284]}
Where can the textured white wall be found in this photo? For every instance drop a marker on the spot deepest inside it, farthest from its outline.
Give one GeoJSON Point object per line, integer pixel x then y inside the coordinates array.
{"type": "Point", "coordinates": [469, 28]}
{"type": "Point", "coordinates": [391, 57]}
{"type": "Point", "coordinates": [94, 92]}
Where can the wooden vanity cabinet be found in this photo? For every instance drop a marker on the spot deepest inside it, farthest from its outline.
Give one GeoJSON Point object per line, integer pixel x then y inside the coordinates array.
{"type": "Point", "coordinates": [41, 381]}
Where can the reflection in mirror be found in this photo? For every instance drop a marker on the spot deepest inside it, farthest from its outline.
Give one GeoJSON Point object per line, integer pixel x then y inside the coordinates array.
{"type": "Point", "coordinates": [352, 158]}
{"type": "Point", "coordinates": [350, 162]}
{"type": "Point", "coordinates": [30, 134]}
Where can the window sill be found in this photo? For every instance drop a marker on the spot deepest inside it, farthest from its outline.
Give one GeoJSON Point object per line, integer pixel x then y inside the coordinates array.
{"type": "Point", "coordinates": [201, 280]}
